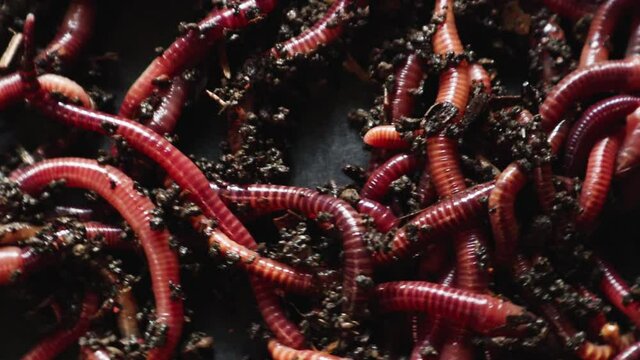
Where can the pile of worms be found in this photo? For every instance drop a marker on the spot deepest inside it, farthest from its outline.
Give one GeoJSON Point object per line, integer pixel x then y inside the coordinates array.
{"type": "Point", "coordinates": [503, 139]}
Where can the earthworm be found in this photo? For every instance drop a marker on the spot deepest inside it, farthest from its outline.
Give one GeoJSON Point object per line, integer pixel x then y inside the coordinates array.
{"type": "Point", "coordinates": [595, 188]}
{"type": "Point", "coordinates": [378, 183]}
{"type": "Point", "coordinates": [633, 45]}
{"type": "Point", "coordinates": [75, 212]}
{"type": "Point", "coordinates": [381, 215]}
{"type": "Point", "coordinates": [127, 306]}
{"type": "Point", "coordinates": [631, 353]}
{"type": "Point", "coordinates": [629, 154]}
{"type": "Point", "coordinates": [484, 314]}
{"type": "Point", "coordinates": [479, 75]}
{"type": "Point", "coordinates": [267, 269]}
{"type": "Point", "coordinates": [407, 81]}
{"type": "Point", "coordinates": [12, 89]}
{"type": "Point", "coordinates": [190, 48]}
{"type": "Point", "coordinates": [323, 32]}
{"type": "Point", "coordinates": [72, 37]}
{"type": "Point", "coordinates": [557, 136]}
{"type": "Point", "coordinates": [57, 342]}
{"type": "Point", "coordinates": [426, 191]}
{"type": "Point", "coordinates": [572, 9]}
{"type": "Point", "coordinates": [597, 120]}
{"type": "Point", "coordinates": [166, 115]}
{"type": "Point", "coordinates": [618, 75]}
{"type": "Point", "coordinates": [550, 34]}
{"type": "Point", "coordinates": [502, 212]}
{"type": "Point", "coordinates": [616, 290]}
{"type": "Point", "coordinates": [89, 353]}
{"type": "Point", "coordinates": [446, 216]}
{"type": "Point", "coordinates": [282, 352]}
{"type": "Point", "coordinates": [444, 165]}
{"type": "Point", "coordinates": [119, 191]}
{"type": "Point", "coordinates": [433, 333]}
{"type": "Point", "coordinates": [11, 234]}
{"type": "Point", "coordinates": [385, 137]}
{"type": "Point", "coordinates": [596, 46]}
{"type": "Point", "coordinates": [545, 191]}
{"type": "Point", "coordinates": [357, 262]}
{"type": "Point", "coordinates": [16, 261]}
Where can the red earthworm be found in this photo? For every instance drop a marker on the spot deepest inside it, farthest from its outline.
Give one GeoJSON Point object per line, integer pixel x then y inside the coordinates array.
{"type": "Point", "coordinates": [380, 180]}
{"type": "Point", "coordinates": [433, 333]}
{"type": "Point", "coordinates": [484, 314]}
{"type": "Point", "coordinates": [323, 32]}
{"type": "Point", "coordinates": [407, 81]}
{"type": "Point", "coordinates": [571, 9]}
{"type": "Point", "coordinates": [596, 322]}
{"type": "Point", "coordinates": [446, 216]}
{"type": "Point", "coordinates": [126, 305]}
{"type": "Point", "coordinates": [54, 344]}
{"type": "Point", "coordinates": [545, 191]}
{"type": "Point", "coordinates": [550, 32]}
{"type": "Point", "coordinates": [166, 115]}
{"type": "Point", "coordinates": [282, 352]}
{"type": "Point", "coordinates": [190, 48]}
{"type": "Point", "coordinates": [597, 120]}
{"type": "Point", "coordinates": [385, 137]}
{"type": "Point", "coordinates": [598, 41]}
{"type": "Point", "coordinates": [72, 36]}
{"type": "Point", "coordinates": [11, 234]}
{"type": "Point", "coordinates": [631, 353]}
{"type": "Point", "coordinates": [444, 165]}
{"type": "Point", "coordinates": [633, 45]}
{"type": "Point", "coordinates": [12, 89]}
{"type": "Point", "coordinates": [629, 154]}
{"type": "Point", "coordinates": [119, 191]}
{"type": "Point", "coordinates": [558, 135]}
{"type": "Point", "coordinates": [479, 75]}
{"type": "Point", "coordinates": [382, 216]}
{"type": "Point", "coordinates": [435, 261]}
{"type": "Point", "coordinates": [616, 290]}
{"type": "Point", "coordinates": [597, 180]}
{"type": "Point", "coordinates": [502, 212]}
{"type": "Point", "coordinates": [357, 262]}
{"type": "Point", "coordinates": [426, 190]}
{"type": "Point", "coordinates": [269, 306]}
{"type": "Point", "coordinates": [620, 75]}
{"type": "Point", "coordinates": [88, 353]}
{"type": "Point", "coordinates": [15, 261]}
{"type": "Point", "coordinates": [267, 269]}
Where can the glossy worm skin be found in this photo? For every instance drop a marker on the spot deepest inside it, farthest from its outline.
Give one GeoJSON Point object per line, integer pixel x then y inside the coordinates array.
{"type": "Point", "coordinates": [620, 75]}
{"type": "Point", "coordinates": [557, 136]}
{"type": "Point", "coordinates": [74, 212]}
{"type": "Point", "coordinates": [407, 80]}
{"type": "Point", "coordinates": [72, 37]}
{"type": "Point", "coordinates": [598, 41]}
{"type": "Point", "coordinates": [545, 191]}
{"type": "Point", "coordinates": [378, 183]}
{"type": "Point", "coordinates": [267, 269]}
{"type": "Point", "coordinates": [166, 115]}
{"type": "Point", "coordinates": [444, 165]}
{"type": "Point", "coordinates": [446, 216]}
{"type": "Point", "coordinates": [631, 353]}
{"type": "Point", "coordinates": [385, 137]}
{"type": "Point", "coordinates": [595, 188]}
{"type": "Point", "coordinates": [382, 216]}
{"type": "Point", "coordinates": [126, 304]}
{"type": "Point", "coordinates": [597, 120]}
{"type": "Point", "coordinates": [119, 191]}
{"type": "Point", "coordinates": [618, 292]}
{"type": "Point", "coordinates": [479, 75]}
{"type": "Point", "coordinates": [16, 261]}
{"type": "Point", "coordinates": [190, 48]}
{"type": "Point", "coordinates": [88, 353]}
{"type": "Point", "coordinates": [426, 191]}
{"type": "Point", "coordinates": [502, 212]}
{"type": "Point", "coordinates": [282, 352]}
{"type": "Point", "coordinates": [571, 9]}
{"type": "Point", "coordinates": [54, 344]}
{"type": "Point", "coordinates": [629, 155]}
{"type": "Point", "coordinates": [482, 313]}
{"type": "Point", "coordinates": [633, 45]}
{"type": "Point", "coordinates": [357, 262]}
{"type": "Point", "coordinates": [323, 32]}
{"type": "Point", "coordinates": [12, 89]}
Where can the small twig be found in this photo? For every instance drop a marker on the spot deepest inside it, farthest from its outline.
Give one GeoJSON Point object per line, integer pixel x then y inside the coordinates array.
{"type": "Point", "coordinates": [223, 104]}
{"type": "Point", "coordinates": [224, 60]}
{"type": "Point", "coordinates": [11, 50]}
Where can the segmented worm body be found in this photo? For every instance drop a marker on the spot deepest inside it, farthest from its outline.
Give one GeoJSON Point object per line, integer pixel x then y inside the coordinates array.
{"type": "Point", "coordinates": [12, 89]}
{"type": "Point", "coordinates": [12, 233]}
{"type": "Point", "coordinates": [323, 32]}
{"type": "Point", "coordinates": [119, 191]}
{"type": "Point", "coordinates": [166, 115]}
{"type": "Point", "coordinates": [633, 45]}
{"type": "Point", "coordinates": [72, 37]}
{"type": "Point", "coordinates": [54, 344]}
{"type": "Point", "coordinates": [631, 353]}
{"type": "Point", "coordinates": [357, 263]}
{"type": "Point", "coordinates": [594, 122]}
{"type": "Point", "coordinates": [572, 9]}
{"type": "Point", "coordinates": [557, 136]}
{"type": "Point", "coordinates": [385, 137]}
{"type": "Point", "coordinates": [482, 313]}
{"type": "Point", "coordinates": [282, 352]}
{"type": "Point", "coordinates": [190, 48]}
{"type": "Point", "coordinates": [407, 81]}
{"type": "Point", "coordinates": [618, 292]}
{"type": "Point", "coordinates": [595, 188]}
{"type": "Point", "coordinates": [382, 216]}
{"type": "Point", "coordinates": [629, 155]}
{"type": "Point", "coordinates": [378, 183]}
